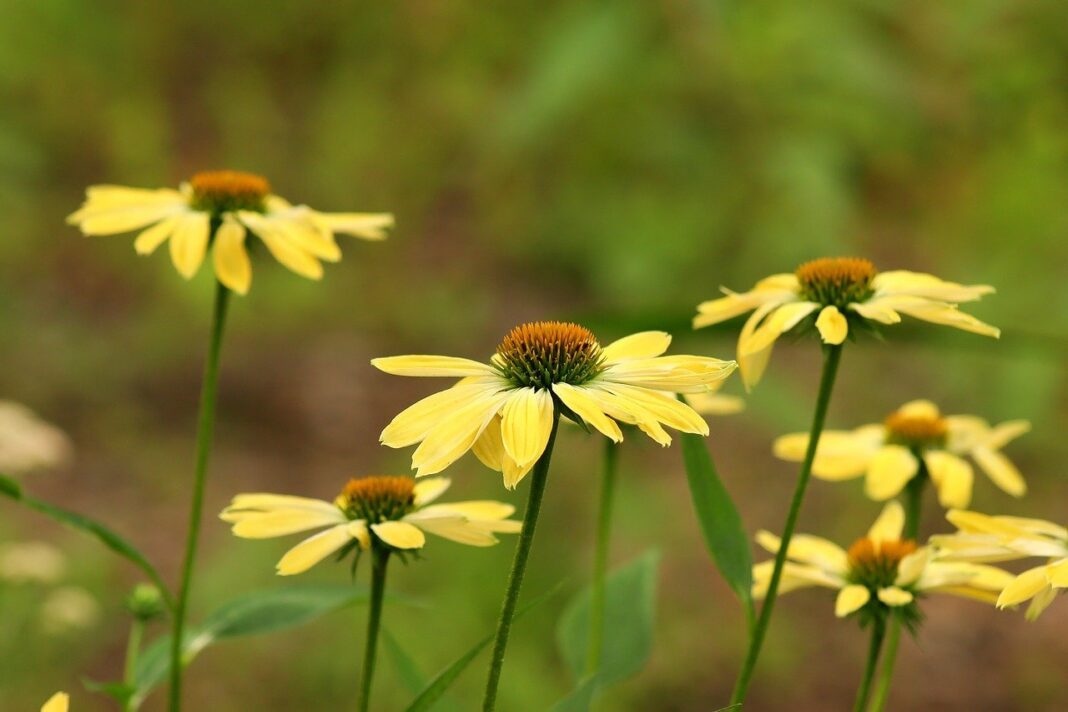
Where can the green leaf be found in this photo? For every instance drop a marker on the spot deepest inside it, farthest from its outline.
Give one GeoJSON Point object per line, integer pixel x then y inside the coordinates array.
{"type": "Point", "coordinates": [580, 699]}
{"type": "Point", "coordinates": [10, 488]}
{"type": "Point", "coordinates": [407, 669]}
{"type": "Point", "coordinates": [444, 679]}
{"type": "Point", "coordinates": [118, 691]}
{"type": "Point", "coordinates": [255, 613]}
{"type": "Point", "coordinates": [630, 611]}
{"type": "Point", "coordinates": [721, 524]}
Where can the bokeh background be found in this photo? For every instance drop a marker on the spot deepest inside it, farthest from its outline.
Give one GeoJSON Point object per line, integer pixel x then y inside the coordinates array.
{"type": "Point", "coordinates": [613, 163]}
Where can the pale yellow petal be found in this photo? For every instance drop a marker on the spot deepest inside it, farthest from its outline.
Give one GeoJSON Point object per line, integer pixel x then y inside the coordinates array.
{"type": "Point", "coordinates": [715, 403]}
{"type": "Point", "coordinates": [526, 422]}
{"type": "Point", "coordinates": [875, 310]}
{"type": "Point", "coordinates": [894, 596]}
{"type": "Point", "coordinates": [189, 242]}
{"type": "Point", "coordinates": [455, 528]}
{"type": "Point", "coordinates": [912, 567]}
{"type": "Point", "coordinates": [489, 448]}
{"type": "Point", "coordinates": [890, 468]}
{"type": "Point", "coordinates": [919, 408]}
{"type": "Point", "coordinates": [1023, 587]}
{"type": "Point", "coordinates": [1001, 471]}
{"type": "Point", "coordinates": [368, 226]}
{"type": "Point", "coordinates": [779, 322]}
{"type": "Point", "coordinates": [851, 599]}
{"type": "Point", "coordinates": [147, 242]}
{"type": "Point", "coordinates": [311, 551]}
{"type": "Point", "coordinates": [120, 220]}
{"type": "Point", "coordinates": [645, 344]}
{"type": "Point", "coordinates": [432, 366]}
{"type": "Point", "coordinates": [889, 524]}
{"type": "Point", "coordinates": [282, 522]}
{"type": "Point", "coordinates": [1004, 433]}
{"type": "Point", "coordinates": [840, 455]}
{"type": "Point", "coordinates": [808, 549]}
{"type": "Point", "coordinates": [1040, 602]}
{"type": "Point", "coordinates": [928, 286]}
{"type": "Point", "coordinates": [400, 535]}
{"type": "Point", "coordinates": [358, 530]}
{"type": "Point", "coordinates": [676, 374]}
{"type": "Point", "coordinates": [429, 489]}
{"type": "Point", "coordinates": [832, 325]}
{"type": "Point", "coordinates": [416, 421]}
{"type": "Point", "coordinates": [455, 435]}
{"type": "Point", "coordinates": [586, 407]}
{"type": "Point", "coordinates": [289, 255]}
{"type": "Point", "coordinates": [232, 265]}
{"type": "Point", "coordinates": [58, 702]}
{"type": "Point", "coordinates": [665, 409]}
{"type": "Point", "coordinates": [775, 289]}
{"type": "Point", "coordinates": [472, 509]}
{"type": "Point", "coordinates": [944, 314]}
{"type": "Point", "coordinates": [952, 477]}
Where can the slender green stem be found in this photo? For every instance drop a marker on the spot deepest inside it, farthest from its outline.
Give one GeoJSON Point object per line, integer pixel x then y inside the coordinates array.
{"type": "Point", "coordinates": [913, 502]}
{"type": "Point", "coordinates": [133, 649]}
{"type": "Point", "coordinates": [538, 479]}
{"type": "Point", "coordinates": [380, 556]}
{"type": "Point", "coordinates": [878, 630]}
{"type": "Point", "coordinates": [600, 559]}
{"type": "Point", "coordinates": [205, 429]}
{"type": "Point", "coordinates": [832, 355]}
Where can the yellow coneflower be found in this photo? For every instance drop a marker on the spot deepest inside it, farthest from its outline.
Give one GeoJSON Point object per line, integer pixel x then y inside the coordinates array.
{"type": "Point", "coordinates": [58, 702]}
{"type": "Point", "coordinates": [983, 538]}
{"type": "Point", "coordinates": [396, 511]}
{"type": "Point", "coordinates": [504, 410]}
{"type": "Point", "coordinates": [220, 208]}
{"type": "Point", "coordinates": [889, 455]}
{"type": "Point", "coordinates": [880, 571]}
{"type": "Point", "coordinates": [836, 295]}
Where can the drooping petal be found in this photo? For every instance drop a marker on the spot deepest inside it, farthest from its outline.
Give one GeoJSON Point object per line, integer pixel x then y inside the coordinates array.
{"type": "Point", "coordinates": [432, 366]}
{"type": "Point", "coordinates": [942, 313]}
{"type": "Point", "coordinates": [400, 535]}
{"type": "Point", "coordinates": [876, 310]}
{"type": "Point", "coordinates": [427, 490]}
{"type": "Point", "coordinates": [952, 477]}
{"type": "Point", "coordinates": [645, 344]}
{"type": "Point", "coordinates": [1025, 586]}
{"type": "Point", "coordinates": [891, 467]}
{"type": "Point", "coordinates": [119, 220]}
{"type": "Point", "coordinates": [919, 284]}
{"type": "Point", "coordinates": [779, 322]}
{"type": "Point", "coordinates": [850, 599]}
{"type": "Point", "coordinates": [776, 289]}
{"type": "Point", "coordinates": [368, 226]}
{"type": "Point", "coordinates": [288, 254]}
{"type": "Point", "coordinates": [1001, 471]}
{"type": "Point", "coordinates": [489, 447]}
{"type": "Point", "coordinates": [282, 522]}
{"type": "Point", "coordinates": [912, 566]}
{"type": "Point", "coordinates": [832, 325]}
{"type": "Point", "coordinates": [808, 549]}
{"type": "Point", "coordinates": [889, 524]}
{"type": "Point", "coordinates": [189, 242]}
{"type": "Point", "coordinates": [154, 236]}
{"type": "Point", "coordinates": [455, 435]}
{"type": "Point", "coordinates": [311, 551]}
{"type": "Point", "coordinates": [894, 596]}
{"type": "Point", "coordinates": [232, 265]}
{"type": "Point", "coordinates": [416, 421]}
{"type": "Point", "coordinates": [526, 423]}
{"type": "Point", "coordinates": [583, 405]}
{"type": "Point", "coordinates": [676, 374]}
{"type": "Point", "coordinates": [455, 528]}
{"type": "Point", "coordinates": [665, 409]}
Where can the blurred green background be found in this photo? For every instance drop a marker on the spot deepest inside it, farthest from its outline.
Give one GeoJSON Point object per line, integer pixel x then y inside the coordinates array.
{"type": "Point", "coordinates": [607, 162]}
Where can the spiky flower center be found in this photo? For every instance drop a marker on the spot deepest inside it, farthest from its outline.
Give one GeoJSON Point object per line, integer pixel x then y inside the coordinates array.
{"type": "Point", "coordinates": [541, 353]}
{"type": "Point", "coordinates": [836, 281]}
{"type": "Point", "coordinates": [874, 563]}
{"type": "Point", "coordinates": [917, 432]}
{"type": "Point", "coordinates": [222, 191]}
{"type": "Point", "coordinates": [377, 499]}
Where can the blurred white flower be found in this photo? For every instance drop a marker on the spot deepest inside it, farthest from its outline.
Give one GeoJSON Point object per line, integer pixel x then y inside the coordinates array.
{"type": "Point", "coordinates": [27, 442]}
{"type": "Point", "coordinates": [31, 561]}
{"type": "Point", "coordinates": [69, 608]}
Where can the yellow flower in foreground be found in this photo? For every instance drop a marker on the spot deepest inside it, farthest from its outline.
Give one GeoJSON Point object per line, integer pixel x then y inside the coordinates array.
{"type": "Point", "coordinates": [226, 206]}
{"type": "Point", "coordinates": [984, 538]}
{"type": "Point", "coordinates": [395, 511]}
{"type": "Point", "coordinates": [837, 294]}
{"type": "Point", "coordinates": [888, 455]}
{"type": "Point", "coordinates": [880, 571]}
{"type": "Point", "coordinates": [58, 702]}
{"type": "Point", "coordinates": [504, 410]}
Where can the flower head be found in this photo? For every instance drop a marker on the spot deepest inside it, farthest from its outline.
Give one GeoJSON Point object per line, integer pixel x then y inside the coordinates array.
{"type": "Point", "coordinates": [889, 454]}
{"type": "Point", "coordinates": [221, 208]}
{"type": "Point", "coordinates": [504, 409]}
{"type": "Point", "coordinates": [383, 510]}
{"type": "Point", "coordinates": [838, 295]}
{"type": "Point", "coordinates": [982, 538]}
{"type": "Point", "coordinates": [879, 573]}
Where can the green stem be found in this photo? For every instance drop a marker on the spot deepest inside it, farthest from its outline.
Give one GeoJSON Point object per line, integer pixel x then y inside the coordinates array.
{"type": "Point", "coordinates": [878, 630]}
{"type": "Point", "coordinates": [600, 559]}
{"type": "Point", "coordinates": [913, 502]}
{"type": "Point", "coordinates": [205, 428]}
{"type": "Point", "coordinates": [832, 356]}
{"type": "Point", "coordinates": [380, 556]}
{"type": "Point", "coordinates": [538, 479]}
{"type": "Point", "coordinates": [133, 649]}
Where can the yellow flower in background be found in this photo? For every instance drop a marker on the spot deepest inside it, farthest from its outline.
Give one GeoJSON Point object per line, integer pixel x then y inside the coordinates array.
{"type": "Point", "coordinates": [68, 609]}
{"type": "Point", "coordinates": [58, 702]}
{"type": "Point", "coordinates": [888, 455]}
{"type": "Point", "coordinates": [221, 208]}
{"type": "Point", "coordinates": [504, 410]}
{"type": "Point", "coordinates": [838, 294]}
{"type": "Point", "coordinates": [715, 403]}
{"type": "Point", "coordinates": [983, 538]}
{"type": "Point", "coordinates": [31, 562]}
{"type": "Point", "coordinates": [28, 443]}
{"type": "Point", "coordinates": [878, 570]}
{"type": "Point", "coordinates": [394, 510]}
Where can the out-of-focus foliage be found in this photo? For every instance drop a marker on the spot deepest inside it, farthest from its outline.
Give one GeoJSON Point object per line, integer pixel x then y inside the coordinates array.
{"type": "Point", "coordinates": [609, 162]}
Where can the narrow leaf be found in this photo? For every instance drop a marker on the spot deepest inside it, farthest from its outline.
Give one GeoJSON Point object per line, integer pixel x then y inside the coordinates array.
{"type": "Point", "coordinates": [444, 679]}
{"type": "Point", "coordinates": [580, 699]}
{"type": "Point", "coordinates": [630, 612]}
{"type": "Point", "coordinates": [720, 522]}
{"type": "Point", "coordinates": [10, 488]}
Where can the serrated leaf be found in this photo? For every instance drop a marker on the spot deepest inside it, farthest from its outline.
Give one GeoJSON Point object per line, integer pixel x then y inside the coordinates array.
{"type": "Point", "coordinates": [444, 679]}
{"type": "Point", "coordinates": [721, 525]}
{"type": "Point", "coordinates": [255, 613]}
{"type": "Point", "coordinates": [629, 623]}
{"type": "Point", "coordinates": [10, 488]}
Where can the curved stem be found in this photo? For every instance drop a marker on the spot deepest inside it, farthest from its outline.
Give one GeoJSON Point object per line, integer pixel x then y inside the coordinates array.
{"type": "Point", "coordinates": [831, 357]}
{"type": "Point", "coordinates": [205, 429]}
{"type": "Point", "coordinates": [374, 619]}
{"type": "Point", "coordinates": [600, 559]}
{"type": "Point", "coordinates": [878, 630]}
{"type": "Point", "coordinates": [913, 502]}
{"type": "Point", "coordinates": [538, 479]}
{"type": "Point", "coordinates": [133, 649]}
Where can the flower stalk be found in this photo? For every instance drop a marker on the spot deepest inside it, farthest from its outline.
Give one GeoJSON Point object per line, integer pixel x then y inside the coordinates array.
{"type": "Point", "coordinates": [595, 645]}
{"type": "Point", "coordinates": [380, 558]}
{"type": "Point", "coordinates": [205, 430]}
{"type": "Point", "coordinates": [539, 479]}
{"type": "Point", "coordinates": [831, 358]}
{"type": "Point", "coordinates": [878, 632]}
